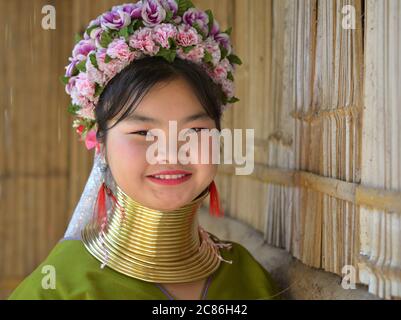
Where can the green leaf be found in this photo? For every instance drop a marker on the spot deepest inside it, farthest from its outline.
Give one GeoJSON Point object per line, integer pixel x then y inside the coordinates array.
{"type": "Point", "coordinates": [224, 52]}
{"type": "Point", "coordinates": [113, 33]}
{"type": "Point", "coordinates": [208, 57]}
{"type": "Point", "coordinates": [107, 59]}
{"type": "Point", "coordinates": [73, 108]}
{"type": "Point", "coordinates": [199, 30]}
{"type": "Point", "coordinates": [233, 100]}
{"type": "Point", "coordinates": [131, 27]}
{"type": "Point", "coordinates": [123, 32]}
{"type": "Point", "coordinates": [184, 5]}
{"type": "Point", "coordinates": [105, 39]}
{"type": "Point", "coordinates": [135, 24]}
{"type": "Point", "coordinates": [171, 43]}
{"type": "Point", "coordinates": [187, 49]}
{"type": "Point", "coordinates": [89, 30]}
{"type": "Point", "coordinates": [81, 66]}
{"type": "Point", "coordinates": [77, 37]}
{"type": "Point", "coordinates": [230, 76]}
{"type": "Point", "coordinates": [92, 57]}
{"type": "Point", "coordinates": [228, 31]}
{"type": "Point", "coordinates": [98, 90]}
{"type": "Point", "coordinates": [211, 19]}
{"type": "Point", "coordinates": [64, 80]}
{"type": "Point", "coordinates": [167, 54]}
{"type": "Point", "coordinates": [234, 59]}
{"type": "Point", "coordinates": [169, 15]}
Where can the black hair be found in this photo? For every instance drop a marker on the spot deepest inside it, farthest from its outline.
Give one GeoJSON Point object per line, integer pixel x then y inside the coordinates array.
{"type": "Point", "coordinates": [125, 91]}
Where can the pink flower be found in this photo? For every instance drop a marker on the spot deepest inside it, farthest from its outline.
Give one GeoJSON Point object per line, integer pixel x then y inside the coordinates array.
{"type": "Point", "coordinates": [77, 99]}
{"type": "Point", "coordinates": [170, 5]}
{"type": "Point", "coordinates": [96, 34]}
{"type": "Point", "coordinates": [195, 55]}
{"type": "Point", "coordinates": [213, 48]}
{"type": "Point", "coordinates": [118, 48]}
{"type": "Point", "coordinates": [224, 39]}
{"type": "Point", "coordinates": [70, 85]}
{"type": "Point", "coordinates": [193, 15]}
{"type": "Point", "coordinates": [153, 13]}
{"type": "Point", "coordinates": [94, 22]}
{"type": "Point", "coordinates": [133, 9]}
{"type": "Point", "coordinates": [215, 28]}
{"type": "Point", "coordinates": [221, 71]}
{"type": "Point", "coordinates": [111, 68]}
{"type": "Point", "coordinates": [142, 39]}
{"type": "Point", "coordinates": [87, 111]}
{"type": "Point", "coordinates": [90, 140]}
{"type": "Point", "coordinates": [84, 86]}
{"type": "Point", "coordinates": [115, 20]}
{"type": "Point", "coordinates": [188, 36]}
{"type": "Point", "coordinates": [228, 88]}
{"type": "Point", "coordinates": [82, 49]}
{"type": "Point", "coordinates": [93, 74]}
{"type": "Point", "coordinates": [82, 92]}
{"type": "Point", "coordinates": [70, 68]}
{"type": "Point", "coordinates": [137, 55]}
{"type": "Point", "coordinates": [162, 32]}
{"type": "Point", "coordinates": [227, 64]}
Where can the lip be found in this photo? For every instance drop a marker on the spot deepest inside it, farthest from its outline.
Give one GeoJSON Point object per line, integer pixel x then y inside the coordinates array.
{"type": "Point", "coordinates": [170, 181]}
{"type": "Point", "coordinates": [170, 172]}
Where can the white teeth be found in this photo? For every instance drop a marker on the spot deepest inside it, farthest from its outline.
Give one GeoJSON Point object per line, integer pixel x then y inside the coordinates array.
{"type": "Point", "coordinates": [169, 176]}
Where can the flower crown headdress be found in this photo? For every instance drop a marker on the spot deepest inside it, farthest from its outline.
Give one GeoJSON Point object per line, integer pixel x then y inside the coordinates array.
{"type": "Point", "coordinates": [131, 31]}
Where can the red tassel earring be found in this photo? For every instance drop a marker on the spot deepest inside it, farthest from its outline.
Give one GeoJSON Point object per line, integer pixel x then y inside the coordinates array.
{"type": "Point", "coordinates": [214, 206]}
{"type": "Point", "coordinates": [100, 207]}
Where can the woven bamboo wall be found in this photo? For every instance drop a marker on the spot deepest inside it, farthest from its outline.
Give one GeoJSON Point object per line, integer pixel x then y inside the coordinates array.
{"type": "Point", "coordinates": [380, 262]}
{"type": "Point", "coordinates": [245, 198]}
{"type": "Point", "coordinates": [328, 175]}
{"type": "Point", "coordinates": [321, 90]}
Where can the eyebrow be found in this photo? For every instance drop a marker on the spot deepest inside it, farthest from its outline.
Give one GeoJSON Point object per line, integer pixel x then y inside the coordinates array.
{"type": "Point", "coordinates": [139, 117]}
{"type": "Point", "coordinates": [197, 116]}
{"type": "Point", "coordinates": [142, 118]}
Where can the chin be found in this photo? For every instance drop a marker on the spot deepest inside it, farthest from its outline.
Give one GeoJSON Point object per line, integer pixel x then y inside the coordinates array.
{"type": "Point", "coordinates": [169, 205]}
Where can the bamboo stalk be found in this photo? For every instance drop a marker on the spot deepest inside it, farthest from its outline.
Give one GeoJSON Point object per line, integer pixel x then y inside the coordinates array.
{"type": "Point", "coordinates": [388, 200]}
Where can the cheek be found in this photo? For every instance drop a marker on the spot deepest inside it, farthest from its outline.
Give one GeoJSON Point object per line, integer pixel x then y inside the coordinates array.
{"type": "Point", "coordinates": [208, 151]}
{"type": "Point", "coordinates": [200, 150]}
{"type": "Point", "coordinates": [127, 158]}
{"type": "Point", "coordinates": [205, 173]}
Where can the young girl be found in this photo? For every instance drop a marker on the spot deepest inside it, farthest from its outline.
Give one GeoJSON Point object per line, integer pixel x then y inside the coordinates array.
{"type": "Point", "coordinates": [138, 68]}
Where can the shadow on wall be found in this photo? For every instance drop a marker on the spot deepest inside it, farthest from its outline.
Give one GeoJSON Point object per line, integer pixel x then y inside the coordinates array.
{"type": "Point", "coordinates": [295, 280]}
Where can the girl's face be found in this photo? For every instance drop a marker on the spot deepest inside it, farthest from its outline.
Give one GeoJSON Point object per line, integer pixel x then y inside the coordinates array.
{"type": "Point", "coordinates": [126, 148]}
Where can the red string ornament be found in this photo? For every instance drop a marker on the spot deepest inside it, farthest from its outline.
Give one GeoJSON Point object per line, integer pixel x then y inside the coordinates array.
{"type": "Point", "coordinates": [100, 209]}
{"type": "Point", "coordinates": [214, 207]}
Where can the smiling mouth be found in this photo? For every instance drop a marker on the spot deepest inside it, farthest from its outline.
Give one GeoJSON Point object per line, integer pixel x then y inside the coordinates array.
{"type": "Point", "coordinates": [170, 176]}
{"type": "Point", "coordinates": [169, 179]}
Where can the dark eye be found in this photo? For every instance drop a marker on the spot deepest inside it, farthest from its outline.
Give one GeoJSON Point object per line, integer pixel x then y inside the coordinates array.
{"type": "Point", "coordinates": [141, 132]}
{"type": "Point", "coordinates": [197, 129]}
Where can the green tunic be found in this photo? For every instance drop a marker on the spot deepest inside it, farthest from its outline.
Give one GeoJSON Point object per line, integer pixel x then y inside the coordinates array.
{"type": "Point", "coordinates": [78, 276]}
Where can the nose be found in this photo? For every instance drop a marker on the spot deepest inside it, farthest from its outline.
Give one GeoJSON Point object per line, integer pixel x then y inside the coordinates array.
{"type": "Point", "coordinates": [167, 153]}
